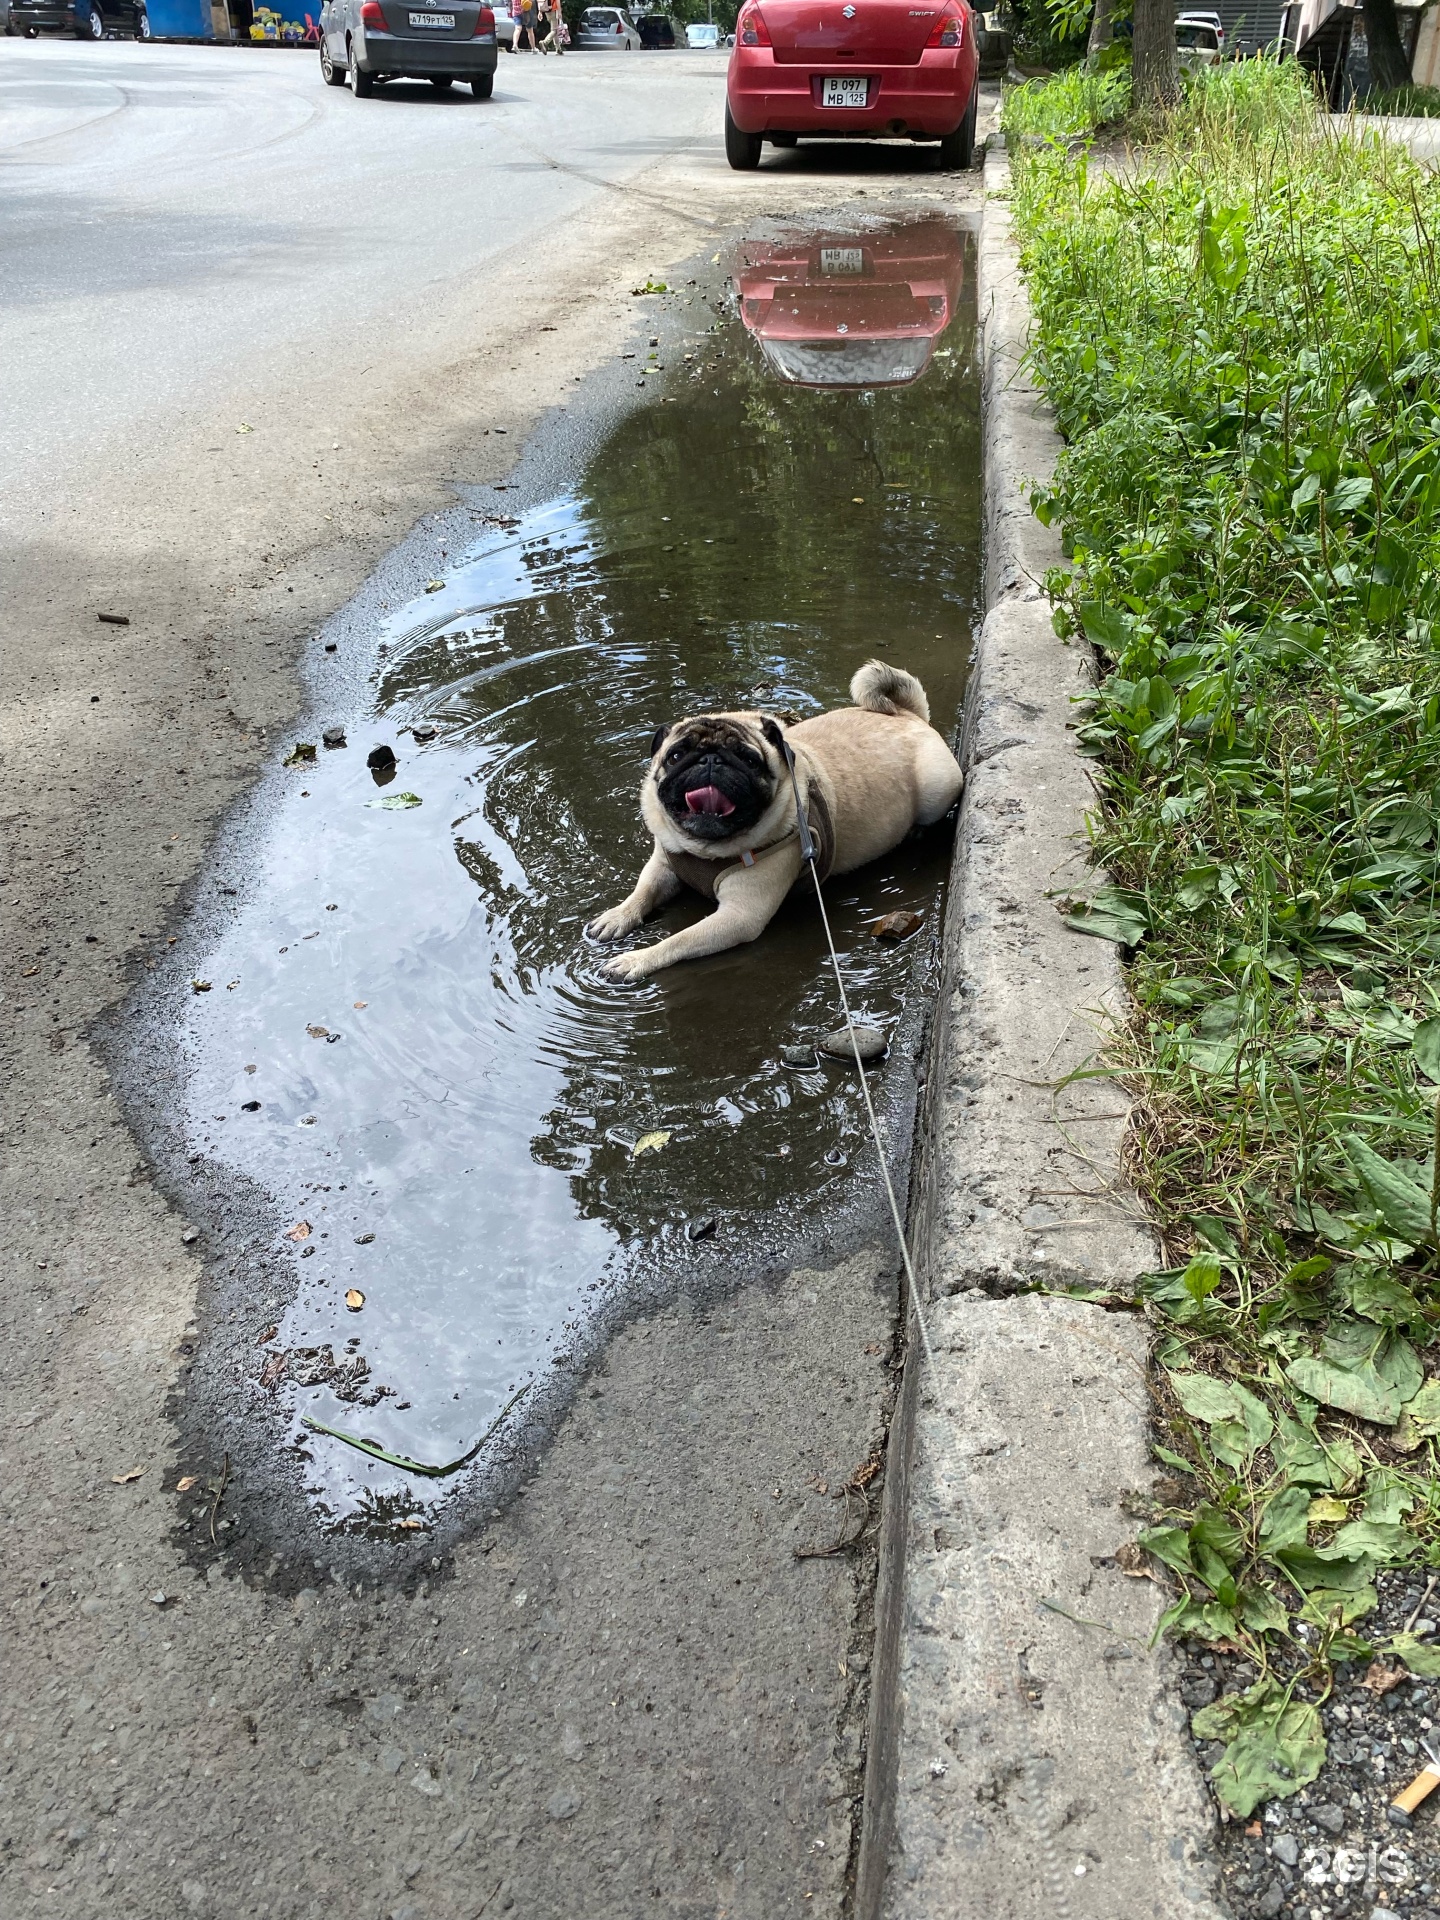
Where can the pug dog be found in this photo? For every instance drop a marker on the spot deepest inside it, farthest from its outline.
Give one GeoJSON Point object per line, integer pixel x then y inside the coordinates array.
{"type": "Point", "coordinates": [720, 802]}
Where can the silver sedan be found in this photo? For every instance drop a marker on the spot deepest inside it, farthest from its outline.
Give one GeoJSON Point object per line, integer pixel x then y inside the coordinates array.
{"type": "Point", "coordinates": [363, 42]}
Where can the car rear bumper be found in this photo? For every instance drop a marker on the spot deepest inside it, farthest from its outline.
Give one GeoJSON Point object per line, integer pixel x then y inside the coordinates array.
{"type": "Point", "coordinates": [47, 19]}
{"type": "Point", "coordinates": [929, 98]}
{"type": "Point", "coordinates": [387, 53]}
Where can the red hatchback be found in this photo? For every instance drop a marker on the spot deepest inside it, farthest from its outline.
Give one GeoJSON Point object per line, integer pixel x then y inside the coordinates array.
{"type": "Point", "coordinates": [848, 69]}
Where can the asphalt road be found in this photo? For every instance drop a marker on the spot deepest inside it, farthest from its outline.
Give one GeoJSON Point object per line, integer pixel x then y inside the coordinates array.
{"type": "Point", "coordinates": [173, 218]}
{"type": "Point", "coordinates": [251, 331]}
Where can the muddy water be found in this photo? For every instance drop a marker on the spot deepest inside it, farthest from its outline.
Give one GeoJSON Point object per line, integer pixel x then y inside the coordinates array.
{"type": "Point", "coordinates": [407, 1041]}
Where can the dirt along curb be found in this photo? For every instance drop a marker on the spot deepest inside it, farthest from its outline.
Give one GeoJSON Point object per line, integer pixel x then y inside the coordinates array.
{"type": "Point", "coordinates": [1027, 1755]}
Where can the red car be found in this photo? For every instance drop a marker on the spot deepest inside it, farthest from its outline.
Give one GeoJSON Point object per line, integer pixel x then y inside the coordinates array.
{"type": "Point", "coordinates": [853, 310]}
{"type": "Point", "coordinates": [866, 69]}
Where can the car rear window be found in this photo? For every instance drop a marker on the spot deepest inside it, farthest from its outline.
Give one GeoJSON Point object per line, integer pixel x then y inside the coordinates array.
{"type": "Point", "coordinates": [598, 17]}
{"type": "Point", "coordinates": [1202, 37]}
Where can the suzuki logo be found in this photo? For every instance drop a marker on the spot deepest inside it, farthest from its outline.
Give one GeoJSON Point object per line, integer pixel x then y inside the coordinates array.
{"type": "Point", "coordinates": [848, 12]}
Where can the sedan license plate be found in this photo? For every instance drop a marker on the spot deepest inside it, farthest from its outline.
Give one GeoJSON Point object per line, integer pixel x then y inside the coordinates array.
{"type": "Point", "coordinates": [844, 90]}
{"type": "Point", "coordinates": [445, 20]}
{"type": "Point", "coordinates": [842, 260]}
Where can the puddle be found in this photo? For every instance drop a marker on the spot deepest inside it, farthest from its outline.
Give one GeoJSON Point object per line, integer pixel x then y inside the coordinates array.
{"type": "Point", "coordinates": [450, 1095]}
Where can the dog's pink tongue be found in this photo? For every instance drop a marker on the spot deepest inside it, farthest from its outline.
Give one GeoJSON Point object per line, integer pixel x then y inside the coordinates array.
{"type": "Point", "coordinates": [708, 800]}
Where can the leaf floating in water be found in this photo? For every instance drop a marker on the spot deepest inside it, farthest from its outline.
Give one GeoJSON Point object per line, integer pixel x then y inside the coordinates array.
{"type": "Point", "coordinates": [300, 1231]}
{"type": "Point", "coordinates": [354, 1299]}
{"type": "Point", "coordinates": [402, 1460]}
{"type": "Point", "coordinates": [318, 1033]}
{"type": "Point", "coordinates": [396, 802]}
{"type": "Point", "coordinates": [649, 1143]}
{"type": "Point", "coordinates": [302, 751]}
{"type": "Point", "coordinates": [434, 586]}
{"type": "Point", "coordinates": [200, 986]}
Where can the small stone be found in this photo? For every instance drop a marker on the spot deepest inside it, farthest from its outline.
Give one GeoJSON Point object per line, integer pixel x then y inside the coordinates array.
{"type": "Point", "coordinates": [423, 730]}
{"type": "Point", "coordinates": [1199, 1691]}
{"type": "Point", "coordinates": [391, 1760]}
{"type": "Point", "coordinates": [701, 1227]}
{"type": "Point", "coordinates": [189, 1235]}
{"type": "Point", "coordinates": [1286, 1849]}
{"type": "Point", "coordinates": [159, 1598]}
{"type": "Point", "coordinates": [379, 758]}
{"type": "Point", "coordinates": [897, 926]}
{"type": "Point", "coordinates": [363, 1239]}
{"type": "Point", "coordinates": [563, 1804]}
{"type": "Point", "coordinates": [1329, 1817]}
{"type": "Point", "coordinates": [309, 1762]}
{"type": "Point", "coordinates": [334, 737]}
{"type": "Point", "coordinates": [870, 1043]}
{"type": "Point", "coordinates": [331, 646]}
{"type": "Point", "coordinates": [798, 1056]}
{"type": "Point", "coordinates": [249, 1106]}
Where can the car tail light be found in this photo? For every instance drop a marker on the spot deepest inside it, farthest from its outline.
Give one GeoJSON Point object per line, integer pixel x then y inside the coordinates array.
{"type": "Point", "coordinates": [948, 31]}
{"type": "Point", "coordinates": [484, 22]}
{"type": "Point", "coordinates": [372, 14]}
{"type": "Point", "coordinates": [752, 31]}
{"type": "Point", "coordinates": [619, 26]}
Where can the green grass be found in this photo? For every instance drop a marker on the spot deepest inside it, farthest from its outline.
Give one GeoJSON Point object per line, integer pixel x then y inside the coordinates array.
{"type": "Point", "coordinates": [1073, 102]}
{"type": "Point", "coordinates": [1421, 102]}
{"type": "Point", "coordinates": [1241, 341]}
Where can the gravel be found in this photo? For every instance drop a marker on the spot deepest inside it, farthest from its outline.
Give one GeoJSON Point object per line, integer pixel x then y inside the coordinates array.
{"type": "Point", "coordinates": [1332, 1849]}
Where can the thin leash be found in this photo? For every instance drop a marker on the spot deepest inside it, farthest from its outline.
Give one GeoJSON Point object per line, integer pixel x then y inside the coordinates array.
{"type": "Point", "coordinates": [1046, 1826]}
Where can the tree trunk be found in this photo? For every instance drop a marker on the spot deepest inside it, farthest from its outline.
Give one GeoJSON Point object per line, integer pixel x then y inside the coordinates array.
{"type": "Point", "coordinates": [1099, 30]}
{"type": "Point", "coordinates": [1156, 77]}
{"type": "Point", "coordinates": [1389, 63]}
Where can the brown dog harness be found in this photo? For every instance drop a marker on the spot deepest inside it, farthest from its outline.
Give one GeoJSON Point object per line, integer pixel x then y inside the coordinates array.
{"type": "Point", "coordinates": [701, 874]}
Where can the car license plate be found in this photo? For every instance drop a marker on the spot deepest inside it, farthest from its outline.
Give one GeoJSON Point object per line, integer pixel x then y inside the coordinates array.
{"type": "Point", "coordinates": [446, 20]}
{"type": "Point", "coordinates": [842, 260]}
{"type": "Point", "coordinates": [844, 90]}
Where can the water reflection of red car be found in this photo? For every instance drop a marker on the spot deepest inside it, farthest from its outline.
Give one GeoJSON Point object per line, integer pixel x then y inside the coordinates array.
{"type": "Point", "coordinates": [853, 309]}
{"type": "Point", "coordinates": [847, 69]}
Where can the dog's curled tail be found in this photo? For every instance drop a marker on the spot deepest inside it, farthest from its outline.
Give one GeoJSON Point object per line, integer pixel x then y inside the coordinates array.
{"type": "Point", "coordinates": [886, 689]}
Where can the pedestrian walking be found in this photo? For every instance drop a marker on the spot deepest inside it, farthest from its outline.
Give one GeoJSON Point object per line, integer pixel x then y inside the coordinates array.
{"type": "Point", "coordinates": [558, 32]}
{"type": "Point", "coordinates": [525, 24]}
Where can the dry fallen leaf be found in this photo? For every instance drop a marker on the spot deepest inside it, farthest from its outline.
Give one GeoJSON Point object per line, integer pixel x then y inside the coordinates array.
{"type": "Point", "coordinates": [1380, 1679]}
{"type": "Point", "coordinates": [266, 1336]}
{"type": "Point", "coordinates": [186, 1481]}
{"type": "Point", "coordinates": [1131, 1560]}
{"type": "Point", "coordinates": [358, 1004]}
{"type": "Point", "coordinates": [273, 1369]}
{"type": "Point", "coordinates": [125, 1479]}
{"type": "Point", "coordinates": [411, 1523]}
{"type": "Point", "coordinates": [649, 1143]}
{"type": "Point", "coordinates": [318, 1033]}
{"type": "Point", "coordinates": [354, 1299]}
{"type": "Point", "coordinates": [300, 1231]}
{"type": "Point", "coordinates": [896, 926]}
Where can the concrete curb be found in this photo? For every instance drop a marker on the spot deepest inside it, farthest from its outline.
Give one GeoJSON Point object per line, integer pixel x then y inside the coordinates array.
{"type": "Point", "coordinates": [1027, 1755]}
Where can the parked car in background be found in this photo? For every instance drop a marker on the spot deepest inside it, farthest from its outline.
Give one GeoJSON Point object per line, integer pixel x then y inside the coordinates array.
{"type": "Point", "coordinates": [656, 30]}
{"type": "Point", "coordinates": [700, 33]}
{"type": "Point", "coordinates": [86, 19]}
{"type": "Point", "coordinates": [606, 30]}
{"type": "Point", "coordinates": [363, 42]}
{"type": "Point", "coordinates": [1198, 44]}
{"type": "Point", "coordinates": [879, 70]}
{"type": "Point", "coordinates": [1203, 17]}
{"type": "Point", "coordinates": [504, 25]}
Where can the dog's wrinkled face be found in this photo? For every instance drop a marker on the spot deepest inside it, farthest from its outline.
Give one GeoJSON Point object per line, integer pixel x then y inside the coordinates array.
{"type": "Point", "coordinates": [716, 774]}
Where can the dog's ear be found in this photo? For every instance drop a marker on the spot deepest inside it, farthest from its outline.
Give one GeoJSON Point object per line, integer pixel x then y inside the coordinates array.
{"type": "Point", "coordinates": [659, 735]}
{"type": "Point", "coordinates": [771, 730]}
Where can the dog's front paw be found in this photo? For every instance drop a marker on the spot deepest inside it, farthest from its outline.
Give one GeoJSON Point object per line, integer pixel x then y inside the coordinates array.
{"type": "Point", "coordinates": [628, 966]}
{"type": "Point", "coordinates": [613, 924]}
